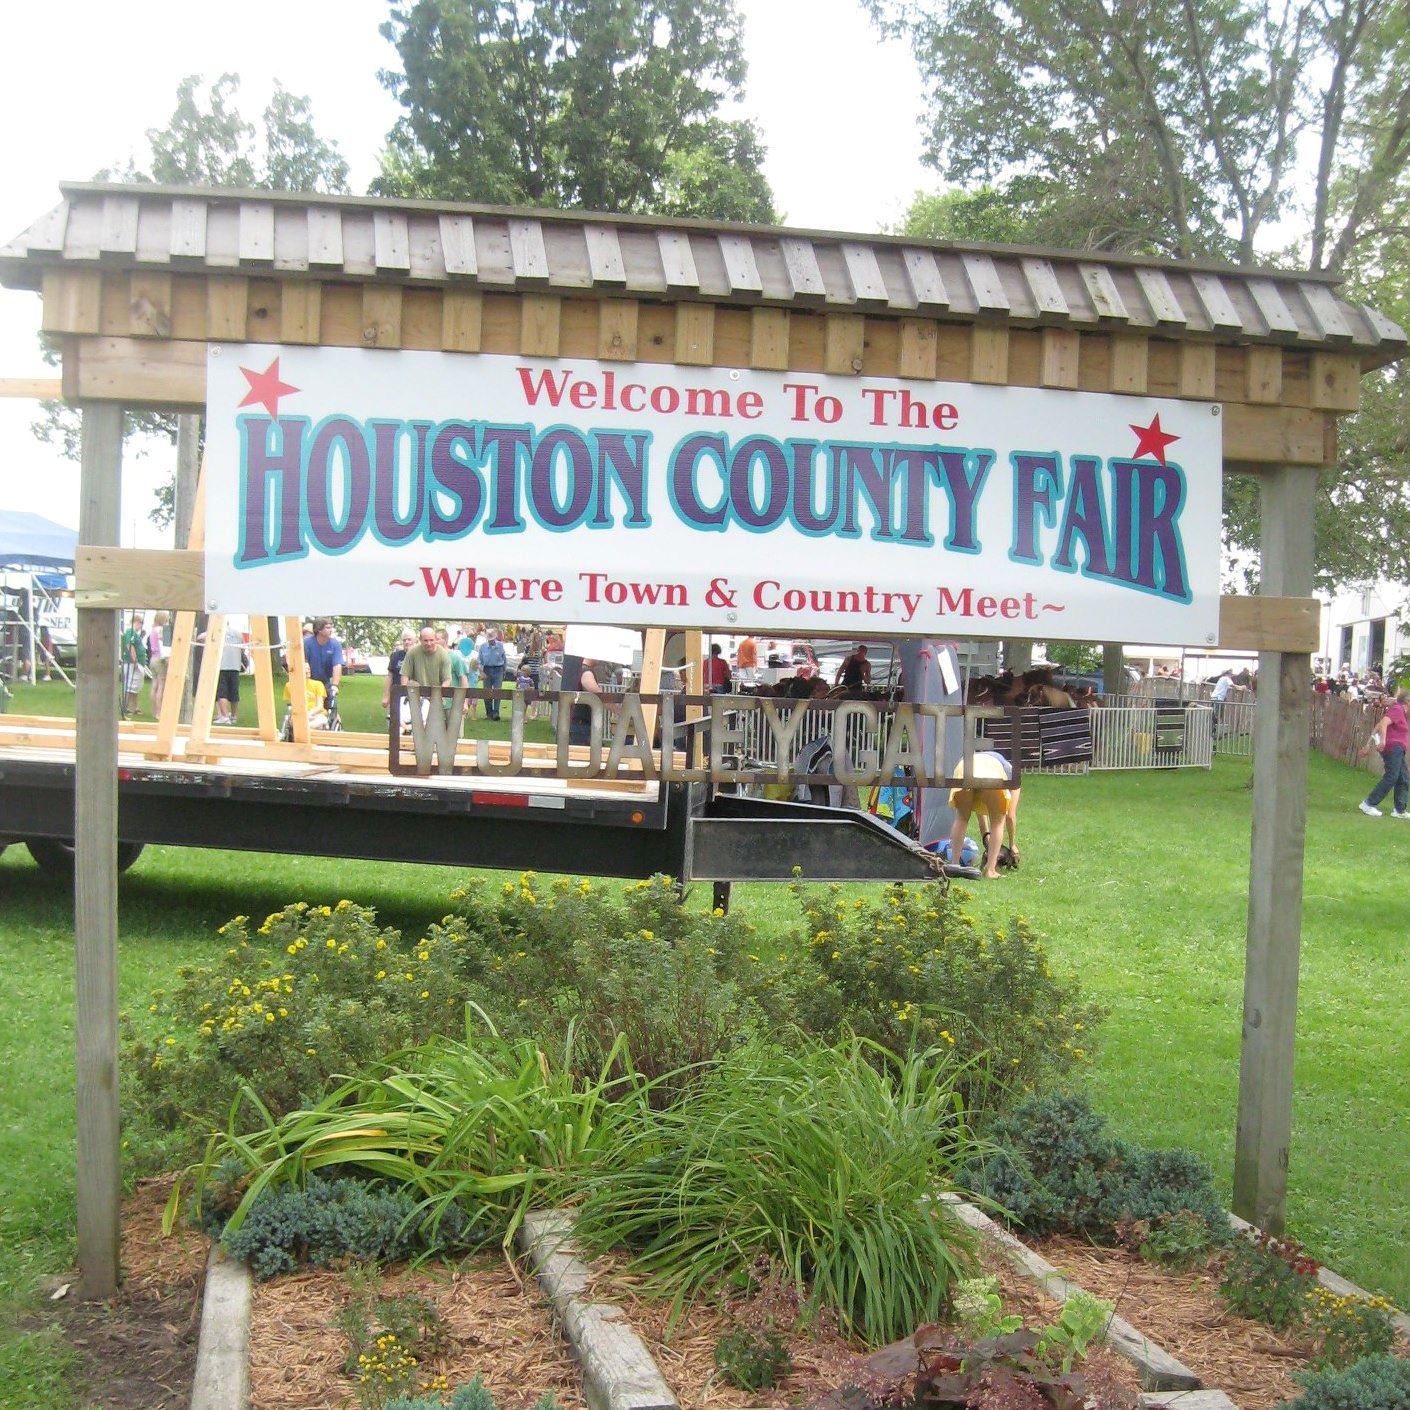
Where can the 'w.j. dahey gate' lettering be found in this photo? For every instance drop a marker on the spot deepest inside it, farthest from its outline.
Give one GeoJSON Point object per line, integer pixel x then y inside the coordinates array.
{"type": "Point", "coordinates": [322, 487]}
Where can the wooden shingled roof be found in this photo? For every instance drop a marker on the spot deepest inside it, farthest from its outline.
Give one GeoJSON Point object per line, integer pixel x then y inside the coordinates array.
{"type": "Point", "coordinates": [279, 235]}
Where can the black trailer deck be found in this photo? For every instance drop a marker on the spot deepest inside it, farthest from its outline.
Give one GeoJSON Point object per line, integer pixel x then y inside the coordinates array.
{"type": "Point", "coordinates": [692, 831]}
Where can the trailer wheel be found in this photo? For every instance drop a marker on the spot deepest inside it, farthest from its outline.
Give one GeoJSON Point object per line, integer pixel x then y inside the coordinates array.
{"type": "Point", "coordinates": [55, 855]}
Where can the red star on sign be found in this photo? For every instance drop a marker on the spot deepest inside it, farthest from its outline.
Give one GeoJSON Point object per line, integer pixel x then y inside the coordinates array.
{"type": "Point", "coordinates": [1151, 440]}
{"type": "Point", "coordinates": [266, 389]}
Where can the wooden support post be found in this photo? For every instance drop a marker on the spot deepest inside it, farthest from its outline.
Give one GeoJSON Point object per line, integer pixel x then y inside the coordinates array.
{"type": "Point", "coordinates": [260, 649]}
{"type": "Point", "coordinates": [695, 685]}
{"type": "Point", "coordinates": [99, 1182]}
{"type": "Point", "coordinates": [176, 701]}
{"type": "Point", "coordinates": [653, 651]}
{"type": "Point", "coordinates": [1280, 744]}
{"type": "Point", "coordinates": [206, 686]}
{"type": "Point", "coordinates": [298, 680]}
{"type": "Point", "coordinates": [188, 456]}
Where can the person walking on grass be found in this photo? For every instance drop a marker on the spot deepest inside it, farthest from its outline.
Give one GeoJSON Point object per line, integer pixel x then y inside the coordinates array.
{"type": "Point", "coordinates": [134, 664]}
{"type": "Point", "coordinates": [1391, 736]}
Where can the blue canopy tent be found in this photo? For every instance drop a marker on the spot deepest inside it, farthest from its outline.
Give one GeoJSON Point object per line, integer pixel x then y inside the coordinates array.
{"type": "Point", "coordinates": [36, 558]}
{"type": "Point", "coordinates": [32, 541]}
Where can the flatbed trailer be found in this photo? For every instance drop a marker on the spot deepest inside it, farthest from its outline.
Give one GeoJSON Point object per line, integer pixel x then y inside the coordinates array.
{"type": "Point", "coordinates": [691, 831]}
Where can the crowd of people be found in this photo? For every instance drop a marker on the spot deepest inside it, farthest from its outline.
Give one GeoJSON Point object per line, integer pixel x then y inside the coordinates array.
{"type": "Point", "coordinates": [1352, 684]}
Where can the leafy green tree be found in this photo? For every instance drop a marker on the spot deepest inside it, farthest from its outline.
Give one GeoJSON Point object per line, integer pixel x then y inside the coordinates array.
{"type": "Point", "coordinates": [207, 143]}
{"type": "Point", "coordinates": [602, 104]}
{"type": "Point", "coordinates": [1189, 129]}
{"type": "Point", "coordinates": [1175, 127]}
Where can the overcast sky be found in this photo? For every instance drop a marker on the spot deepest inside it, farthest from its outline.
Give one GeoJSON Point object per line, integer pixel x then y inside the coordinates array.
{"type": "Point", "coordinates": [84, 81]}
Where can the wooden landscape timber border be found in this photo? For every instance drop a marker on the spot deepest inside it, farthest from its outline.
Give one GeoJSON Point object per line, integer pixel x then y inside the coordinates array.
{"type": "Point", "coordinates": [619, 1372]}
{"type": "Point", "coordinates": [137, 281]}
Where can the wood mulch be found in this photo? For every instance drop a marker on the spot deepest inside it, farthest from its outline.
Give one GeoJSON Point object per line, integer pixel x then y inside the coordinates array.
{"type": "Point", "coordinates": [685, 1352]}
{"type": "Point", "coordinates": [1184, 1313]}
{"type": "Point", "coordinates": [499, 1326]}
{"type": "Point", "coordinates": [823, 1359]}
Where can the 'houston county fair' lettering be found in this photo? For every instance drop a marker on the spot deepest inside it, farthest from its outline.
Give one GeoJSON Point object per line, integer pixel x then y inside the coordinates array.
{"type": "Point", "coordinates": [320, 488]}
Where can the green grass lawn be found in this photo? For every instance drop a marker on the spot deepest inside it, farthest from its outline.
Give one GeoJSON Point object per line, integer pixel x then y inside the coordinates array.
{"type": "Point", "coordinates": [1139, 880]}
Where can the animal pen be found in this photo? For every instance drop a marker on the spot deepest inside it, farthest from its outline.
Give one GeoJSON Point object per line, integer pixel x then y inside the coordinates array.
{"type": "Point", "coordinates": [911, 353]}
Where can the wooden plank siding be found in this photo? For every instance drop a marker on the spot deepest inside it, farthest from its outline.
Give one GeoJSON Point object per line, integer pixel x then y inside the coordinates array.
{"type": "Point", "coordinates": [117, 323]}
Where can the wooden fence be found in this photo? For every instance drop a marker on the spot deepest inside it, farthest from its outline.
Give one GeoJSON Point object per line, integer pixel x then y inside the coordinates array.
{"type": "Point", "coordinates": [1341, 727]}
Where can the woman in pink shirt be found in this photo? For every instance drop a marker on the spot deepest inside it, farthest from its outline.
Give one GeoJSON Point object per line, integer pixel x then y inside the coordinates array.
{"type": "Point", "coordinates": [1391, 737]}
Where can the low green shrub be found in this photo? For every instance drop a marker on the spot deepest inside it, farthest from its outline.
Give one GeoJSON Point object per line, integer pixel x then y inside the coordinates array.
{"type": "Point", "coordinates": [815, 1168]}
{"type": "Point", "coordinates": [1375, 1383]}
{"type": "Point", "coordinates": [912, 967]}
{"type": "Point", "coordinates": [752, 1358]}
{"type": "Point", "coordinates": [474, 1396]}
{"type": "Point", "coordinates": [315, 992]}
{"type": "Point", "coordinates": [630, 964]}
{"type": "Point", "coordinates": [389, 1338]}
{"type": "Point", "coordinates": [1268, 1279]}
{"type": "Point", "coordinates": [318, 993]}
{"type": "Point", "coordinates": [326, 1224]}
{"type": "Point", "coordinates": [1345, 1328]}
{"type": "Point", "coordinates": [1055, 1167]}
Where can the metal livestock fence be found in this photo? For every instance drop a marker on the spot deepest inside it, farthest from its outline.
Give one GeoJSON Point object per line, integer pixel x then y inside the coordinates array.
{"type": "Point", "coordinates": [1153, 734]}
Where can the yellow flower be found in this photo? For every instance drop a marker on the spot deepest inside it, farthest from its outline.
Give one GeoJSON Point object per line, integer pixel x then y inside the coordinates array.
{"type": "Point", "coordinates": [381, 974]}
{"type": "Point", "coordinates": [647, 935]}
{"type": "Point", "coordinates": [170, 1042]}
{"type": "Point", "coordinates": [381, 944]}
{"type": "Point", "coordinates": [332, 944]}
{"type": "Point", "coordinates": [292, 949]}
{"type": "Point", "coordinates": [425, 993]}
{"type": "Point", "coordinates": [269, 1017]}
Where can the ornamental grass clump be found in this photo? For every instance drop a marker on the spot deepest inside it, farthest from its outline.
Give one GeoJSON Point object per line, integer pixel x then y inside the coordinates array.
{"type": "Point", "coordinates": [476, 1130]}
{"type": "Point", "coordinates": [816, 1168]}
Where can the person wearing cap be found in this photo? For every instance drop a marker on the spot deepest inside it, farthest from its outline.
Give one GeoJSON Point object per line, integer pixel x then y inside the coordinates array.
{"type": "Point", "coordinates": [492, 664]}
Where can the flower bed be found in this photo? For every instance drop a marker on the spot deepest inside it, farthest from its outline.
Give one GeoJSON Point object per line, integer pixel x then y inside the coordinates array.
{"type": "Point", "coordinates": [1250, 1361]}
{"type": "Point", "coordinates": [496, 1325]}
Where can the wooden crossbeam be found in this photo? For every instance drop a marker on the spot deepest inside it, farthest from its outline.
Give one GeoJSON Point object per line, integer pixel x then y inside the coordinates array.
{"type": "Point", "coordinates": [33, 388]}
{"type": "Point", "coordinates": [121, 577]}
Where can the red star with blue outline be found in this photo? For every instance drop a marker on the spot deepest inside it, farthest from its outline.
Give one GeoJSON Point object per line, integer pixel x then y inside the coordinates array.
{"type": "Point", "coordinates": [266, 388]}
{"type": "Point", "coordinates": [1151, 440]}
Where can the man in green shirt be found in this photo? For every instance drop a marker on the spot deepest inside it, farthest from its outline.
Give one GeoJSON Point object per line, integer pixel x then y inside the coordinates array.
{"type": "Point", "coordinates": [427, 663]}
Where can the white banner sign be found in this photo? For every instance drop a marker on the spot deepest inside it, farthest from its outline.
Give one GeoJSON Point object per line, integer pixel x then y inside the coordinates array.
{"type": "Point", "coordinates": [444, 485]}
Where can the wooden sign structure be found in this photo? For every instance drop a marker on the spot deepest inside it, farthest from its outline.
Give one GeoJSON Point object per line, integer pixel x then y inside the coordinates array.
{"type": "Point", "coordinates": [138, 281]}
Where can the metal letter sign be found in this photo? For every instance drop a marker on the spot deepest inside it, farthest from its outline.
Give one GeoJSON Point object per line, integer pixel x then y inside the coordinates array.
{"type": "Point", "coordinates": [414, 484]}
